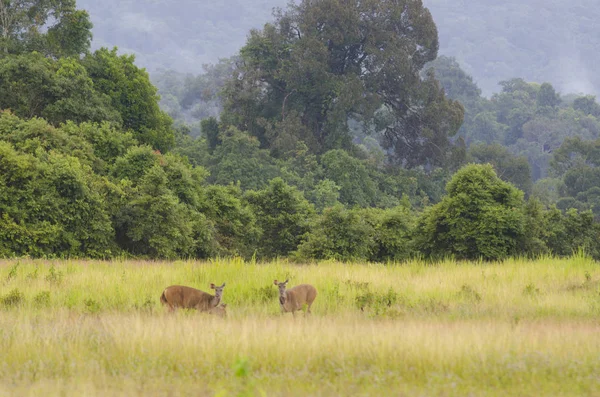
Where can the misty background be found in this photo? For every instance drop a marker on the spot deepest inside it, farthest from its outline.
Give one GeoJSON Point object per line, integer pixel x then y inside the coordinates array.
{"type": "Point", "coordinates": [538, 40]}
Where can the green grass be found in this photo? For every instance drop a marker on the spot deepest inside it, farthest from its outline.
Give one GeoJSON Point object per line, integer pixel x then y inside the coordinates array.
{"type": "Point", "coordinates": [518, 328]}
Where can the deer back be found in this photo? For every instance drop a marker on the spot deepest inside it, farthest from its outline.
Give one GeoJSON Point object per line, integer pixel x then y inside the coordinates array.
{"type": "Point", "coordinates": [188, 297]}
{"type": "Point", "coordinates": [300, 295]}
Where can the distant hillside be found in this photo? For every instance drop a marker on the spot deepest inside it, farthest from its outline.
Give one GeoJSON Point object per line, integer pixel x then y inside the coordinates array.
{"type": "Point", "coordinates": [176, 34]}
{"type": "Point", "coordinates": [538, 40]}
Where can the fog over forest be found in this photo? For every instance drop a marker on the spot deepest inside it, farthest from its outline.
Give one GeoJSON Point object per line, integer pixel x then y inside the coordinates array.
{"type": "Point", "coordinates": [537, 40]}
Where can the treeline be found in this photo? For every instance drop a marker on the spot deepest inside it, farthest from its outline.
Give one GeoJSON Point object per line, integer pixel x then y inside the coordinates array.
{"type": "Point", "coordinates": [535, 138]}
{"type": "Point", "coordinates": [342, 149]}
{"type": "Point", "coordinates": [90, 190]}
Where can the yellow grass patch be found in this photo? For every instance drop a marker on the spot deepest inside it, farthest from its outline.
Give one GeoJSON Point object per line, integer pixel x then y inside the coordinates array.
{"type": "Point", "coordinates": [517, 328]}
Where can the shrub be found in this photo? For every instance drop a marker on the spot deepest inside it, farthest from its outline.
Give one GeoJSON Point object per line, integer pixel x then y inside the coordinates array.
{"type": "Point", "coordinates": [481, 217]}
{"type": "Point", "coordinates": [12, 299]}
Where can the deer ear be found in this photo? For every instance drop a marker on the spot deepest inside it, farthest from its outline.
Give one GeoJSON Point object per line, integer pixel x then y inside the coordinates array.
{"type": "Point", "coordinates": [212, 286]}
{"type": "Point", "coordinates": [286, 281]}
{"type": "Point", "coordinates": [275, 282]}
{"type": "Point", "coordinates": [223, 285]}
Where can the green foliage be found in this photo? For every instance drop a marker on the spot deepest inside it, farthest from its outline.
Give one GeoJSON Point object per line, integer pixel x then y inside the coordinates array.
{"type": "Point", "coordinates": [33, 85]}
{"type": "Point", "coordinates": [351, 175]}
{"type": "Point", "coordinates": [360, 235]}
{"type": "Point", "coordinates": [394, 232]}
{"type": "Point", "coordinates": [53, 27]}
{"type": "Point", "coordinates": [12, 299]}
{"type": "Point", "coordinates": [155, 223]}
{"type": "Point", "coordinates": [330, 108]}
{"type": "Point", "coordinates": [481, 217]}
{"type": "Point", "coordinates": [108, 142]}
{"type": "Point", "coordinates": [239, 159]}
{"type": "Point", "coordinates": [339, 234]}
{"type": "Point", "coordinates": [284, 216]}
{"type": "Point", "coordinates": [510, 168]}
{"type": "Point", "coordinates": [210, 130]}
{"type": "Point", "coordinates": [326, 194]}
{"type": "Point", "coordinates": [135, 163]}
{"type": "Point", "coordinates": [319, 64]}
{"type": "Point", "coordinates": [566, 233]}
{"type": "Point", "coordinates": [236, 229]}
{"type": "Point", "coordinates": [132, 95]}
{"type": "Point", "coordinates": [50, 202]}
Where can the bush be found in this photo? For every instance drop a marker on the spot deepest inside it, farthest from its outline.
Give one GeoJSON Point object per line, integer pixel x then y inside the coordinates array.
{"type": "Point", "coordinates": [339, 234]}
{"type": "Point", "coordinates": [12, 299]}
{"type": "Point", "coordinates": [284, 216]}
{"type": "Point", "coordinates": [481, 217]}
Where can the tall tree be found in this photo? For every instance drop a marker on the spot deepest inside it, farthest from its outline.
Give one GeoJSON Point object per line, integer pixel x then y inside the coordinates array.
{"type": "Point", "coordinates": [53, 27]}
{"type": "Point", "coordinates": [324, 62]}
{"type": "Point", "coordinates": [132, 95]}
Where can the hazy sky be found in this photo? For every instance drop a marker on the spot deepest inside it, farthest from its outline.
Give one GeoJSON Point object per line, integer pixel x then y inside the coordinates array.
{"type": "Point", "coordinates": [539, 40]}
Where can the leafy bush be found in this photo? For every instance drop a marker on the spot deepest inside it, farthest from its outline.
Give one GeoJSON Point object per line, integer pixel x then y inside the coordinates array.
{"type": "Point", "coordinates": [339, 234]}
{"type": "Point", "coordinates": [12, 299]}
{"type": "Point", "coordinates": [481, 217]}
{"type": "Point", "coordinates": [284, 216]}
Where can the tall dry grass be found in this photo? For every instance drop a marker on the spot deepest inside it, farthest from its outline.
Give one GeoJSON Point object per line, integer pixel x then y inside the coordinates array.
{"type": "Point", "coordinates": [96, 328]}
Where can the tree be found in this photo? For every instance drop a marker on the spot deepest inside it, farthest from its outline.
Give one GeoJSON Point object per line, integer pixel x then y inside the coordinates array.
{"type": "Point", "coordinates": [210, 131]}
{"type": "Point", "coordinates": [565, 233]}
{"type": "Point", "coordinates": [239, 159]}
{"type": "Point", "coordinates": [52, 203]}
{"type": "Point", "coordinates": [339, 234]}
{"type": "Point", "coordinates": [352, 177]}
{"type": "Point", "coordinates": [52, 27]}
{"type": "Point", "coordinates": [481, 217]}
{"type": "Point", "coordinates": [587, 105]}
{"type": "Point", "coordinates": [458, 85]}
{"type": "Point", "coordinates": [547, 97]}
{"type": "Point", "coordinates": [236, 229]}
{"type": "Point", "coordinates": [515, 106]}
{"type": "Point", "coordinates": [34, 86]}
{"type": "Point", "coordinates": [155, 223]}
{"type": "Point", "coordinates": [284, 216]}
{"type": "Point", "coordinates": [323, 62]}
{"type": "Point", "coordinates": [510, 168]}
{"type": "Point", "coordinates": [132, 94]}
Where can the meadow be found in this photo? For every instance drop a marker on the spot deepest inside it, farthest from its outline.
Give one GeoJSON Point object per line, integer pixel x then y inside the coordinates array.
{"type": "Point", "coordinates": [88, 328]}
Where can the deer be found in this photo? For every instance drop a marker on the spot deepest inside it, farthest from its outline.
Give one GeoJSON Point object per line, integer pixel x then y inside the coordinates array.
{"type": "Point", "coordinates": [295, 298]}
{"type": "Point", "coordinates": [179, 296]}
{"type": "Point", "coordinates": [220, 310]}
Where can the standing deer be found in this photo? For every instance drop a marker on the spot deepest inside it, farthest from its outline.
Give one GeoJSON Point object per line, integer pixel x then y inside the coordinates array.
{"type": "Point", "coordinates": [177, 296]}
{"type": "Point", "coordinates": [295, 298]}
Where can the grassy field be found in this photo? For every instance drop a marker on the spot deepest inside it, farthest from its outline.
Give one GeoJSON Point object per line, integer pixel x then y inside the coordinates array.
{"type": "Point", "coordinates": [518, 328]}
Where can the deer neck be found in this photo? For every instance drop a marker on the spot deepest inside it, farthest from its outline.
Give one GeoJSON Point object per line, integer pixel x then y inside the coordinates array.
{"type": "Point", "coordinates": [215, 300]}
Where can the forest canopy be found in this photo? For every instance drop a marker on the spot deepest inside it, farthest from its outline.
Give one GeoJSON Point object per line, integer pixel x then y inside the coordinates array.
{"type": "Point", "coordinates": [336, 132]}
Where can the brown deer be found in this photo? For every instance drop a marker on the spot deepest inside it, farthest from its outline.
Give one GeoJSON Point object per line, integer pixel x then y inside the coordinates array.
{"type": "Point", "coordinates": [295, 298]}
{"type": "Point", "coordinates": [220, 310]}
{"type": "Point", "coordinates": [179, 296]}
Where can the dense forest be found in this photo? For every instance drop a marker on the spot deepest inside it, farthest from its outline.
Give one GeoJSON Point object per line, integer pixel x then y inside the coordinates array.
{"type": "Point", "coordinates": [335, 132]}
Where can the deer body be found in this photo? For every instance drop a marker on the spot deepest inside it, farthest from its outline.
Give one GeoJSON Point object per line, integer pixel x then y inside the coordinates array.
{"type": "Point", "coordinates": [220, 310]}
{"type": "Point", "coordinates": [179, 296]}
{"type": "Point", "coordinates": [295, 298]}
